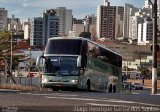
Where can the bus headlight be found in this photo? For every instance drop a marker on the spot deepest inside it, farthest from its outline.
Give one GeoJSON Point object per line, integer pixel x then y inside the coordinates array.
{"type": "Point", "coordinates": [44, 80]}
{"type": "Point", "coordinates": [74, 81]}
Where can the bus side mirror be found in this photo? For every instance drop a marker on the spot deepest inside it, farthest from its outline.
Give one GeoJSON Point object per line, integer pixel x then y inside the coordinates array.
{"type": "Point", "coordinates": [79, 61]}
{"type": "Point", "coordinates": [38, 60]}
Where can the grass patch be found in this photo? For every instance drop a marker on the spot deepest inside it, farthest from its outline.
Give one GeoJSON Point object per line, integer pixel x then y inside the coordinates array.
{"type": "Point", "coordinates": [25, 88]}
{"type": "Point", "coordinates": [17, 87]}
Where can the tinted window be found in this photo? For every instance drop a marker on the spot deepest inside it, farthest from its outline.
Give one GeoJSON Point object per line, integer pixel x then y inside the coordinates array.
{"type": "Point", "coordinates": [63, 46]}
{"type": "Point", "coordinates": [61, 65]}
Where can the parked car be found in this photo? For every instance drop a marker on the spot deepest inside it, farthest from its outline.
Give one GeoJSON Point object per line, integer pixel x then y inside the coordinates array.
{"type": "Point", "coordinates": [137, 86]}
{"type": "Point", "coordinates": [126, 84]}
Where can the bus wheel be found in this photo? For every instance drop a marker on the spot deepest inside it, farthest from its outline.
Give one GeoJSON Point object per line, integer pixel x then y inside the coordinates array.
{"type": "Point", "coordinates": [55, 89]}
{"type": "Point", "coordinates": [88, 85]}
{"type": "Point", "coordinates": [114, 89]}
{"type": "Point", "coordinates": [110, 88]}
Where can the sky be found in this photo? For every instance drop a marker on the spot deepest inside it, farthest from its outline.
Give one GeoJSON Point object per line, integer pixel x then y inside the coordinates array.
{"type": "Point", "coordinates": [24, 9]}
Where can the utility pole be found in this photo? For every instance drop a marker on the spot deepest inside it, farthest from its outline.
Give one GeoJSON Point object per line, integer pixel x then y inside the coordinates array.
{"type": "Point", "coordinates": [84, 22]}
{"type": "Point", "coordinates": [155, 48]}
{"type": "Point", "coordinates": [30, 67]}
{"type": "Point", "coordinates": [11, 60]}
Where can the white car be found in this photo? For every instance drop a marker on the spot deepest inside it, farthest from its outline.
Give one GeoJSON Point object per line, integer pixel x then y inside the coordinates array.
{"type": "Point", "coordinates": [137, 86]}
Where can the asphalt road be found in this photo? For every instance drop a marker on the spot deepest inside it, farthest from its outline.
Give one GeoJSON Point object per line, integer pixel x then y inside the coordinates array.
{"type": "Point", "coordinates": [79, 101]}
{"type": "Point", "coordinates": [145, 91]}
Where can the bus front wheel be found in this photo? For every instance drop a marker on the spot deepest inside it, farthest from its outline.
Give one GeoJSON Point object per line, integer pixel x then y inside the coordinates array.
{"type": "Point", "coordinates": [110, 88]}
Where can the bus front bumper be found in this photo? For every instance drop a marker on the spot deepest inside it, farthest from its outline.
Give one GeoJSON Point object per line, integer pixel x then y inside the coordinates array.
{"type": "Point", "coordinates": [59, 85]}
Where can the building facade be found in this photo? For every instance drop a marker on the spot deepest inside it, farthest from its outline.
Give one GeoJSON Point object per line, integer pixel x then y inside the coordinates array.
{"type": "Point", "coordinates": [158, 8]}
{"type": "Point", "coordinates": [14, 24]}
{"type": "Point", "coordinates": [109, 21]}
{"type": "Point", "coordinates": [145, 32]}
{"type": "Point", "coordinates": [3, 18]}
{"type": "Point", "coordinates": [65, 20]}
{"type": "Point", "coordinates": [50, 25]}
{"type": "Point", "coordinates": [138, 18]}
{"type": "Point", "coordinates": [26, 28]}
{"type": "Point", "coordinates": [36, 34]}
{"type": "Point", "coordinates": [129, 10]}
{"type": "Point", "coordinates": [78, 27]}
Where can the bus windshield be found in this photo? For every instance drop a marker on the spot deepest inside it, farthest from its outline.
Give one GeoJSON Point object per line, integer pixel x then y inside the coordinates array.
{"type": "Point", "coordinates": [61, 66]}
{"type": "Point", "coordinates": [63, 46]}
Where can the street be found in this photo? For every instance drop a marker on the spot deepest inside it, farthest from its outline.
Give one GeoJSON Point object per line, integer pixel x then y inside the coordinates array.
{"type": "Point", "coordinates": [80, 101]}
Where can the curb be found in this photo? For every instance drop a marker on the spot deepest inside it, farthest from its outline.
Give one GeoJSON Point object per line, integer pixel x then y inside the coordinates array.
{"type": "Point", "coordinates": [149, 87]}
{"type": "Point", "coordinates": [9, 91]}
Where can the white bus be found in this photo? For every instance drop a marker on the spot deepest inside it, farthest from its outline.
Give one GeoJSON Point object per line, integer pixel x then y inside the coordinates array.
{"type": "Point", "coordinates": [80, 63]}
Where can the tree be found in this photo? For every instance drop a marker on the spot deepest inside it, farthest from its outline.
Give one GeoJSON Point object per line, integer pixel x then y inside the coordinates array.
{"type": "Point", "coordinates": [145, 72]}
{"type": "Point", "coordinates": [85, 35]}
{"type": "Point", "coordinates": [5, 50]}
{"type": "Point", "coordinates": [18, 35]}
{"type": "Point", "coordinates": [28, 41]}
{"type": "Point", "coordinates": [5, 47]}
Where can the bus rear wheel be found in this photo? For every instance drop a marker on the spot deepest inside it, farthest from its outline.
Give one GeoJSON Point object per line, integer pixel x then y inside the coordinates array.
{"type": "Point", "coordinates": [110, 88]}
{"type": "Point", "coordinates": [88, 85]}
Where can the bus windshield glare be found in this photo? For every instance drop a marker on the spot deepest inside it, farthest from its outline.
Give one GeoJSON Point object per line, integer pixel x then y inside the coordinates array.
{"type": "Point", "coordinates": [63, 47]}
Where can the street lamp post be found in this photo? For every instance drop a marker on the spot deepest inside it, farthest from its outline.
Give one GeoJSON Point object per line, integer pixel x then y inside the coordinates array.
{"type": "Point", "coordinates": [154, 63]}
{"type": "Point", "coordinates": [11, 60]}
{"type": "Point", "coordinates": [30, 67]}
{"type": "Point", "coordinates": [154, 49]}
{"type": "Point", "coordinates": [84, 26]}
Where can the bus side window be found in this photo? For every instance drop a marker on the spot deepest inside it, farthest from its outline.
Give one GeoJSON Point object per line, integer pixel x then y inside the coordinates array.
{"type": "Point", "coordinates": [84, 55]}
{"type": "Point", "coordinates": [84, 62]}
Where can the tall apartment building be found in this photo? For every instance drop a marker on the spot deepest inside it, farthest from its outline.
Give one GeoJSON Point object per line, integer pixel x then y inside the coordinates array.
{"type": "Point", "coordinates": [26, 28]}
{"type": "Point", "coordinates": [145, 31]}
{"type": "Point", "coordinates": [93, 25]}
{"type": "Point", "coordinates": [36, 34]}
{"type": "Point", "coordinates": [138, 18]}
{"type": "Point", "coordinates": [158, 8]}
{"type": "Point", "coordinates": [109, 21]}
{"type": "Point", "coordinates": [3, 18]}
{"type": "Point", "coordinates": [90, 24]}
{"type": "Point", "coordinates": [147, 4]}
{"type": "Point", "coordinates": [78, 27]}
{"type": "Point", "coordinates": [14, 24]}
{"type": "Point", "coordinates": [65, 20]}
{"type": "Point", "coordinates": [119, 22]}
{"type": "Point", "coordinates": [50, 25]}
{"type": "Point", "coordinates": [129, 10]}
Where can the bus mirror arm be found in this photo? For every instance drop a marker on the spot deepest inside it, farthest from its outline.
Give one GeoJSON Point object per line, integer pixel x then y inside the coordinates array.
{"type": "Point", "coordinates": [38, 60]}
{"type": "Point", "coordinates": [79, 61]}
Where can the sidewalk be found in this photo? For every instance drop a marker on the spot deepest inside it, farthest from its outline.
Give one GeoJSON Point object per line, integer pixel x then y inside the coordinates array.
{"type": "Point", "coordinates": [147, 83]}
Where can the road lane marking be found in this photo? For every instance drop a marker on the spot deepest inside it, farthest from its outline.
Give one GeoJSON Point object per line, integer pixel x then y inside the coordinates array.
{"type": "Point", "coordinates": [24, 93]}
{"type": "Point", "coordinates": [135, 93]}
{"type": "Point", "coordinates": [96, 104]}
{"type": "Point", "coordinates": [50, 94]}
{"type": "Point", "coordinates": [67, 95]}
{"type": "Point", "coordinates": [102, 100]}
{"type": "Point", "coordinates": [42, 94]}
{"type": "Point", "coordinates": [55, 94]}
